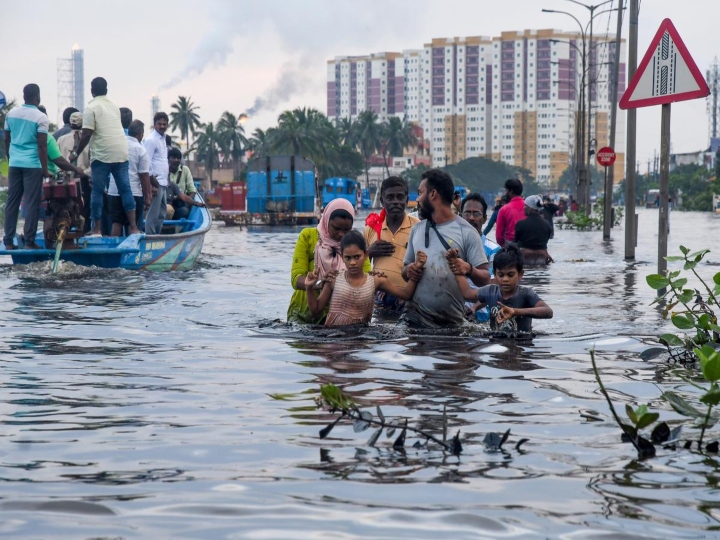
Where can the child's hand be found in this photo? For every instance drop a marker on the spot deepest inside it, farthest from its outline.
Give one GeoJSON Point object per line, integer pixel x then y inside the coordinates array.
{"type": "Point", "coordinates": [504, 313]}
{"type": "Point", "coordinates": [421, 258]}
{"type": "Point", "coordinates": [310, 280]}
{"type": "Point", "coordinates": [451, 254]}
{"type": "Point", "coordinates": [377, 273]}
{"type": "Point", "coordinates": [330, 277]}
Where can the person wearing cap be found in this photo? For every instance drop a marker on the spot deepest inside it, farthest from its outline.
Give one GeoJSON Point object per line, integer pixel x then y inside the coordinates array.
{"type": "Point", "coordinates": [533, 232]}
{"type": "Point", "coordinates": [511, 213]}
{"type": "Point", "coordinates": [66, 123]}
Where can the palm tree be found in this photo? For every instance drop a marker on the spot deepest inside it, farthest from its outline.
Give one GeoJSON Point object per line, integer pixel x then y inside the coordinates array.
{"type": "Point", "coordinates": [232, 138]}
{"type": "Point", "coordinates": [369, 133]}
{"type": "Point", "coordinates": [260, 142]}
{"type": "Point", "coordinates": [209, 147]}
{"type": "Point", "coordinates": [396, 136]}
{"type": "Point", "coordinates": [183, 118]}
{"type": "Point", "coordinates": [347, 132]}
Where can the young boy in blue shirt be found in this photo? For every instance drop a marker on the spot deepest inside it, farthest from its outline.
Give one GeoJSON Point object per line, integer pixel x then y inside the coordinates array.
{"type": "Point", "coordinates": [506, 298]}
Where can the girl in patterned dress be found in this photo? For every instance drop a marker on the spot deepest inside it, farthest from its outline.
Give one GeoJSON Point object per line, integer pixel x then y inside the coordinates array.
{"type": "Point", "coordinates": [351, 292]}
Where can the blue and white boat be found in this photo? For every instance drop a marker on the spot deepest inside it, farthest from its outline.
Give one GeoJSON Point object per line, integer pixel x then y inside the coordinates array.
{"type": "Point", "coordinates": [177, 248]}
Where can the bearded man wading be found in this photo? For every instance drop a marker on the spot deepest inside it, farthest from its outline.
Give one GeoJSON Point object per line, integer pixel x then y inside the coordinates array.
{"type": "Point", "coordinates": [438, 301]}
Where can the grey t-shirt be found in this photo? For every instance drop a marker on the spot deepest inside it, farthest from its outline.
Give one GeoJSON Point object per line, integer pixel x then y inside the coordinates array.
{"type": "Point", "coordinates": [437, 301]}
{"type": "Point", "coordinates": [524, 297]}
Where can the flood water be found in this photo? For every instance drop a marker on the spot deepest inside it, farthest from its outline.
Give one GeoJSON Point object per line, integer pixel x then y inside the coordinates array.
{"type": "Point", "coordinates": [136, 405]}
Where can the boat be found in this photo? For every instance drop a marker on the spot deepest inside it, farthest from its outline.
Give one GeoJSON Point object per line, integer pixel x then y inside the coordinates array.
{"type": "Point", "coordinates": [177, 248]}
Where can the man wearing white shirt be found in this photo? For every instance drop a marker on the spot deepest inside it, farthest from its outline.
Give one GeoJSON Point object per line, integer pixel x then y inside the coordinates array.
{"type": "Point", "coordinates": [156, 148]}
{"type": "Point", "coordinates": [139, 179]}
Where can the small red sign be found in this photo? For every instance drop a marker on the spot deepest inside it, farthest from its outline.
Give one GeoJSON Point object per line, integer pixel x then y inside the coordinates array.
{"type": "Point", "coordinates": [606, 156]}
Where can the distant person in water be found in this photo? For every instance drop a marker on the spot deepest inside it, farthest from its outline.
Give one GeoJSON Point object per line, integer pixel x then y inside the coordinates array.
{"type": "Point", "coordinates": [318, 249]}
{"type": "Point", "coordinates": [511, 213]}
{"type": "Point", "coordinates": [532, 233]}
{"type": "Point", "coordinates": [350, 293]}
{"type": "Point", "coordinates": [507, 300]}
{"type": "Point", "coordinates": [438, 302]}
{"type": "Point", "coordinates": [387, 237]}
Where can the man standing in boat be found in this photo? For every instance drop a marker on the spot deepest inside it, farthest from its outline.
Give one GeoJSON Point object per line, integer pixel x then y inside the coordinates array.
{"type": "Point", "coordinates": [438, 301]}
{"type": "Point", "coordinates": [103, 130]}
{"type": "Point", "coordinates": [159, 171]}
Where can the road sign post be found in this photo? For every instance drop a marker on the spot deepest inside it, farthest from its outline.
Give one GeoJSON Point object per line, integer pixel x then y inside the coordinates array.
{"type": "Point", "coordinates": [606, 157]}
{"type": "Point", "coordinates": [666, 74]}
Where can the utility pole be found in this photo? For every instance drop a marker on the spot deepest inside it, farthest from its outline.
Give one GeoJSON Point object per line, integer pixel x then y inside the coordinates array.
{"type": "Point", "coordinates": [630, 216]}
{"type": "Point", "coordinates": [609, 184]}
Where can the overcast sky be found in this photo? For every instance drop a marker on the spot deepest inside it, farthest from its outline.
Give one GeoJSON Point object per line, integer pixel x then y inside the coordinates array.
{"type": "Point", "coordinates": [271, 55]}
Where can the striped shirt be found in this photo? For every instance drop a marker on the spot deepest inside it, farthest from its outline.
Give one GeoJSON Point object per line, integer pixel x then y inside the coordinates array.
{"type": "Point", "coordinates": [393, 264]}
{"type": "Point", "coordinates": [24, 123]}
{"type": "Point", "coordinates": [351, 305]}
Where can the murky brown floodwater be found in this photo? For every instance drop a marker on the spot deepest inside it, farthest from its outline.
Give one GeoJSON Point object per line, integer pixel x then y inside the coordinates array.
{"type": "Point", "coordinates": [136, 405]}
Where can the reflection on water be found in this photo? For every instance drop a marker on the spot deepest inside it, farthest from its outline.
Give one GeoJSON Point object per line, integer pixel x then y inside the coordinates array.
{"type": "Point", "coordinates": [138, 405]}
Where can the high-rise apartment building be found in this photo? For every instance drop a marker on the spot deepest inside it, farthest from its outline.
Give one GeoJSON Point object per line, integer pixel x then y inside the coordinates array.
{"type": "Point", "coordinates": [514, 98]}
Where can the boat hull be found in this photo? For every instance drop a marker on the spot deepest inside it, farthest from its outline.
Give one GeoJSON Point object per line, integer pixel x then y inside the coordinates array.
{"type": "Point", "coordinates": [157, 253]}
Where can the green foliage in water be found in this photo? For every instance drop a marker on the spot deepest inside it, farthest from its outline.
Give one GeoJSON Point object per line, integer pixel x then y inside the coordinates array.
{"type": "Point", "coordinates": [693, 312]}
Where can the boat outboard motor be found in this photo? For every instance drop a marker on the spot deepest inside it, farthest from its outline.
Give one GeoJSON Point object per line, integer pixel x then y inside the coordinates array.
{"type": "Point", "coordinates": [63, 214]}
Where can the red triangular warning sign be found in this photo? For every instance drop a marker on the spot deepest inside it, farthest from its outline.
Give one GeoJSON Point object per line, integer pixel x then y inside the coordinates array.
{"type": "Point", "coordinates": [666, 74]}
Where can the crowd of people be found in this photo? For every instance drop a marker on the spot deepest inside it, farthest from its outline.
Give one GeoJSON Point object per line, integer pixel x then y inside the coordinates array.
{"type": "Point", "coordinates": [129, 182]}
{"type": "Point", "coordinates": [433, 269]}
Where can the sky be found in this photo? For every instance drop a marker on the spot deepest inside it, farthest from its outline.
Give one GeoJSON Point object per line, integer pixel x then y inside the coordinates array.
{"type": "Point", "coordinates": [269, 56]}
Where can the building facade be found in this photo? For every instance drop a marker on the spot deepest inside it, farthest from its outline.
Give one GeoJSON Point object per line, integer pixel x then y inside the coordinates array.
{"type": "Point", "coordinates": [514, 98]}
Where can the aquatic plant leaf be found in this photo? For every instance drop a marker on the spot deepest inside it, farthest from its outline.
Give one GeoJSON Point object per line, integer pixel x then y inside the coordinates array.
{"type": "Point", "coordinates": [400, 441]}
{"type": "Point", "coordinates": [334, 397]}
{"type": "Point", "coordinates": [681, 406]}
{"type": "Point", "coordinates": [712, 396]}
{"type": "Point", "coordinates": [456, 445]}
{"type": "Point", "coordinates": [362, 423]}
{"type": "Point", "coordinates": [653, 352]}
{"type": "Point", "coordinates": [716, 278]}
{"type": "Point", "coordinates": [683, 321]}
{"type": "Point", "coordinates": [628, 434]}
{"type": "Point", "coordinates": [520, 443]}
{"type": "Point", "coordinates": [675, 434]}
{"type": "Point", "coordinates": [684, 250]}
{"type": "Point", "coordinates": [391, 430]}
{"type": "Point", "coordinates": [704, 321]}
{"type": "Point", "coordinates": [631, 413]}
{"type": "Point", "coordinates": [325, 456]}
{"type": "Point", "coordinates": [660, 433]}
{"type": "Point", "coordinates": [646, 448]}
{"type": "Point", "coordinates": [646, 419]}
{"type": "Point", "coordinates": [689, 265]}
{"type": "Point", "coordinates": [686, 296]}
{"type": "Point", "coordinates": [494, 441]}
{"type": "Point", "coordinates": [373, 439]}
{"type": "Point", "coordinates": [324, 432]}
{"type": "Point", "coordinates": [698, 255]}
{"type": "Point", "coordinates": [709, 362]}
{"type": "Point", "coordinates": [713, 447]}
{"type": "Point", "coordinates": [419, 444]}
{"type": "Point", "coordinates": [380, 414]}
{"type": "Point", "coordinates": [671, 340]}
{"type": "Point", "coordinates": [656, 281]}
{"type": "Point", "coordinates": [678, 283]}
{"type": "Point", "coordinates": [674, 258]}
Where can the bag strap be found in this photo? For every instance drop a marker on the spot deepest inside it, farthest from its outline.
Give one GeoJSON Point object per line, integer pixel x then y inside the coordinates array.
{"type": "Point", "coordinates": [430, 224]}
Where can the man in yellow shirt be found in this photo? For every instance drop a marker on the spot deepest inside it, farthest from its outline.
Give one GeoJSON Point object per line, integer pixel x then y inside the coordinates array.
{"type": "Point", "coordinates": [388, 251]}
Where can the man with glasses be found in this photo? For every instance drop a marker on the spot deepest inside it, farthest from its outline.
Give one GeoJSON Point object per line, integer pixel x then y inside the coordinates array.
{"type": "Point", "coordinates": [474, 211]}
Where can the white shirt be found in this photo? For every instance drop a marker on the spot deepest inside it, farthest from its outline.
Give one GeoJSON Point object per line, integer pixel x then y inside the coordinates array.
{"type": "Point", "coordinates": [157, 152]}
{"type": "Point", "coordinates": [138, 162]}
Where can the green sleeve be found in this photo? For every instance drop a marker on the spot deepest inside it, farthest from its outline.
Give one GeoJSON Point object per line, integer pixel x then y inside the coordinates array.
{"type": "Point", "coordinates": [303, 258]}
{"type": "Point", "coordinates": [53, 149]}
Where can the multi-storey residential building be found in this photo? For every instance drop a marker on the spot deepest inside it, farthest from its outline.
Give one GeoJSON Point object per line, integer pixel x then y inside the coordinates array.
{"type": "Point", "coordinates": [514, 98]}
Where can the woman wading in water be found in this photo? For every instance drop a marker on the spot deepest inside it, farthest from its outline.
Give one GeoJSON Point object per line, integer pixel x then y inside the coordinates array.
{"type": "Point", "coordinates": [318, 250]}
